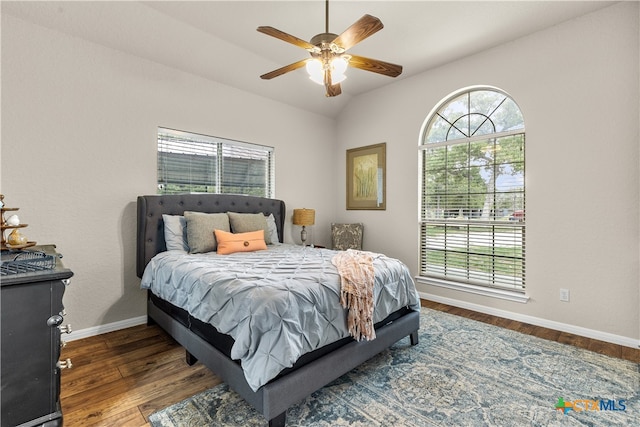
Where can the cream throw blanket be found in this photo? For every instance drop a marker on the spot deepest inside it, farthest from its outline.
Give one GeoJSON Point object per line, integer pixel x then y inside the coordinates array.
{"type": "Point", "coordinates": [357, 279]}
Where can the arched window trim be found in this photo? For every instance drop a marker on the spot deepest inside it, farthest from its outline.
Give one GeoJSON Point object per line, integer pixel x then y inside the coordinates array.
{"type": "Point", "coordinates": [469, 137]}
{"type": "Point", "coordinates": [434, 111]}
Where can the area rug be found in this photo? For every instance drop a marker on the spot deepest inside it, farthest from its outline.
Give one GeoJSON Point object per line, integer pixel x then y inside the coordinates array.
{"type": "Point", "coordinates": [462, 373]}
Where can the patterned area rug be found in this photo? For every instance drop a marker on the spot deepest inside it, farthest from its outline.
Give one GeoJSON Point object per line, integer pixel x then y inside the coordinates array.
{"type": "Point", "coordinates": [463, 373]}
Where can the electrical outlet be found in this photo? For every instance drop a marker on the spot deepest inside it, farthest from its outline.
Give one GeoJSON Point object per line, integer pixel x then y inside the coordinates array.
{"type": "Point", "coordinates": [564, 295]}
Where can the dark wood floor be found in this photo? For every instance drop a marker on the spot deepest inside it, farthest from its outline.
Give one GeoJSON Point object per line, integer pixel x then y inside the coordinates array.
{"type": "Point", "coordinates": [120, 378]}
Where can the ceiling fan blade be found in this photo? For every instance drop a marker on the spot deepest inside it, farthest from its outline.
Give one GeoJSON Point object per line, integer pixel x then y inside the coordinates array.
{"type": "Point", "coordinates": [358, 31]}
{"type": "Point", "coordinates": [333, 90]}
{"type": "Point", "coordinates": [285, 69]}
{"type": "Point", "coordinates": [273, 32]}
{"type": "Point", "coordinates": [376, 66]}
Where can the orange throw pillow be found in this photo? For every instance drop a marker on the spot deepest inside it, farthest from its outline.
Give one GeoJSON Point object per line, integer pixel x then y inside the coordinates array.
{"type": "Point", "coordinates": [229, 243]}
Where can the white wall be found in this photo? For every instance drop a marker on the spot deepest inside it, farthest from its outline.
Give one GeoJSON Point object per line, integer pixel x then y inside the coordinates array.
{"type": "Point", "coordinates": [79, 127]}
{"type": "Point", "coordinates": [577, 85]}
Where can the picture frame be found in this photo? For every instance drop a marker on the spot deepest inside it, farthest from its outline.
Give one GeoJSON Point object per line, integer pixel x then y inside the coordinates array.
{"type": "Point", "coordinates": [366, 177]}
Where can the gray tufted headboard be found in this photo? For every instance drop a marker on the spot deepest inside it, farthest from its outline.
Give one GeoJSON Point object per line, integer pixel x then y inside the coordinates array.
{"type": "Point", "coordinates": [150, 232]}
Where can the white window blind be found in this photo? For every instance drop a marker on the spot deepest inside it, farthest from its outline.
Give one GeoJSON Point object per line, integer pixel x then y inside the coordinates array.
{"type": "Point", "coordinates": [473, 191]}
{"type": "Point", "coordinates": [189, 162]}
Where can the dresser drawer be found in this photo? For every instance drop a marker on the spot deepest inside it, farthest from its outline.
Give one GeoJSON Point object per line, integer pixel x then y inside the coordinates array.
{"type": "Point", "coordinates": [31, 347]}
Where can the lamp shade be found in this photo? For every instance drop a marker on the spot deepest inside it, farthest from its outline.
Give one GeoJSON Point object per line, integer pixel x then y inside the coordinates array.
{"type": "Point", "coordinates": [304, 216]}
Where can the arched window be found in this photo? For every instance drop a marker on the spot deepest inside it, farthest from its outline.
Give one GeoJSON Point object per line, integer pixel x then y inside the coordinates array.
{"type": "Point", "coordinates": [473, 193]}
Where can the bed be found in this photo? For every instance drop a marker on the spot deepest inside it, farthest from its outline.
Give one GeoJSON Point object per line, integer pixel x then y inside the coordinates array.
{"type": "Point", "coordinates": [329, 356]}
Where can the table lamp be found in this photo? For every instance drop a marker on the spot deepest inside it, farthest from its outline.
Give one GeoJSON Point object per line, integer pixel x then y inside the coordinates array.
{"type": "Point", "coordinates": [304, 217]}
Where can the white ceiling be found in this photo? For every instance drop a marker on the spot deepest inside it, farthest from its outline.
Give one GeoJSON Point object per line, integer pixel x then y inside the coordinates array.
{"type": "Point", "coordinates": [217, 40]}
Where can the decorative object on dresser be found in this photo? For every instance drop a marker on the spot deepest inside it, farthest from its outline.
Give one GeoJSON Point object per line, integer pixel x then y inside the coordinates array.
{"type": "Point", "coordinates": [16, 239]}
{"type": "Point", "coordinates": [304, 217]}
{"type": "Point", "coordinates": [366, 177]}
{"type": "Point", "coordinates": [33, 283]}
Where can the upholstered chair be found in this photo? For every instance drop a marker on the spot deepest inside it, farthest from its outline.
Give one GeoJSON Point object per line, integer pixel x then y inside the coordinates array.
{"type": "Point", "coordinates": [346, 236]}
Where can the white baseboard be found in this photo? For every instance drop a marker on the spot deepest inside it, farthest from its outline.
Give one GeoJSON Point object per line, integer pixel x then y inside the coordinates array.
{"type": "Point", "coordinates": [103, 329]}
{"type": "Point", "coordinates": [558, 326]}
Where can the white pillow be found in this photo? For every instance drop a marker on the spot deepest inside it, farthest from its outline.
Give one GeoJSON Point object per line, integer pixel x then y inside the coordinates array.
{"type": "Point", "coordinates": [175, 232]}
{"type": "Point", "coordinates": [273, 229]}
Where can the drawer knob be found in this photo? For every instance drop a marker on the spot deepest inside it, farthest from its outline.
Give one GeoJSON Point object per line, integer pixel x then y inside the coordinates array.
{"type": "Point", "coordinates": [65, 329]}
{"type": "Point", "coordinates": [54, 320]}
{"type": "Point", "coordinates": [64, 364]}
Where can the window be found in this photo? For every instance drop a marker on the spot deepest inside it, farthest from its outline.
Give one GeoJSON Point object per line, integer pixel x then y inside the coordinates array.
{"type": "Point", "coordinates": [189, 163]}
{"type": "Point", "coordinates": [472, 224]}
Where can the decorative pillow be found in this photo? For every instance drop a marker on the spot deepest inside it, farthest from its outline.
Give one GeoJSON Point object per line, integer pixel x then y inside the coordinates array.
{"type": "Point", "coordinates": [273, 230]}
{"type": "Point", "coordinates": [245, 222]}
{"type": "Point", "coordinates": [200, 226]}
{"type": "Point", "coordinates": [175, 232]}
{"type": "Point", "coordinates": [229, 243]}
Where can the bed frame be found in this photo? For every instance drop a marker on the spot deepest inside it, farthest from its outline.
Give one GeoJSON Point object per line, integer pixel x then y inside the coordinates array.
{"type": "Point", "coordinates": [272, 399]}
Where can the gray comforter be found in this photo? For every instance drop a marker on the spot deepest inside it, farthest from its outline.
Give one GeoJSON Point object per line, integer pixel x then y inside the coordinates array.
{"type": "Point", "coordinates": [277, 304]}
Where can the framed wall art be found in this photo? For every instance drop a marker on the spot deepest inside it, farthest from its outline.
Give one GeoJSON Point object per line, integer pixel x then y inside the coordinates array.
{"type": "Point", "coordinates": [366, 177]}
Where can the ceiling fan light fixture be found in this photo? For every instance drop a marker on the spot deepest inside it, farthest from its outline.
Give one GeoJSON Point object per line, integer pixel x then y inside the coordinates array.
{"type": "Point", "coordinates": [339, 65]}
{"type": "Point", "coordinates": [315, 68]}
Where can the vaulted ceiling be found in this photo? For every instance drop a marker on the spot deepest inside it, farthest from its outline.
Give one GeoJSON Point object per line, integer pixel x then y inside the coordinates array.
{"type": "Point", "coordinates": [217, 40]}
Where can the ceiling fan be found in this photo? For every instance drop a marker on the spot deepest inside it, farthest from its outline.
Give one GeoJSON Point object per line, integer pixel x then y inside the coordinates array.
{"type": "Point", "coordinates": [328, 60]}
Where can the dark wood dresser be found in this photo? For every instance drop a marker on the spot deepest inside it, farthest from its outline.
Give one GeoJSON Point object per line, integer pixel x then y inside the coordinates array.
{"type": "Point", "coordinates": [31, 324]}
